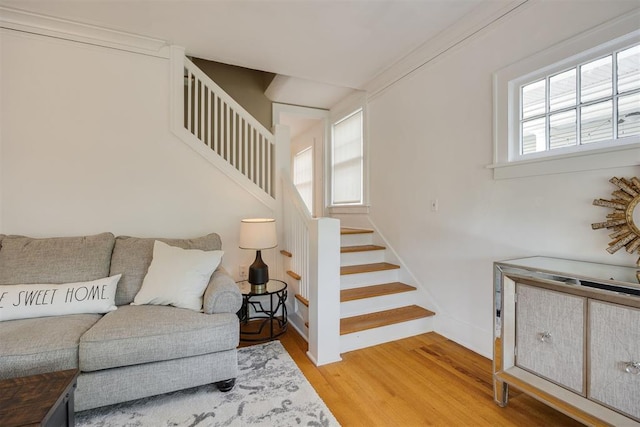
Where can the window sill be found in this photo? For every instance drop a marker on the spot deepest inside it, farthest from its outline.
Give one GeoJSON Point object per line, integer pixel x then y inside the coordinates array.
{"type": "Point", "coordinates": [348, 209]}
{"type": "Point", "coordinates": [627, 155]}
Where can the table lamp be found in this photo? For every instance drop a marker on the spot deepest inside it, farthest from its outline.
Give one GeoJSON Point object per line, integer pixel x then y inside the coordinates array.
{"type": "Point", "coordinates": [258, 234]}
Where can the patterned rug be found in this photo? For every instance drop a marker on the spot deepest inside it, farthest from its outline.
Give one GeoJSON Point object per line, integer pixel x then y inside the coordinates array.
{"type": "Point", "coordinates": [270, 391]}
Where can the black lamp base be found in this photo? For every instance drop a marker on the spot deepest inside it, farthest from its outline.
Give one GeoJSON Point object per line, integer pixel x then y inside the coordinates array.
{"type": "Point", "coordinates": [258, 275]}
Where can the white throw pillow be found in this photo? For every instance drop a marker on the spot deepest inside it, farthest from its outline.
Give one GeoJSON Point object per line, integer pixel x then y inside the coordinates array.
{"type": "Point", "coordinates": [40, 300]}
{"type": "Point", "coordinates": [177, 276]}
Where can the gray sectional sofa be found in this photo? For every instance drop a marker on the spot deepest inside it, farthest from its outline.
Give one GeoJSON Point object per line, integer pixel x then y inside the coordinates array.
{"type": "Point", "coordinates": [134, 351]}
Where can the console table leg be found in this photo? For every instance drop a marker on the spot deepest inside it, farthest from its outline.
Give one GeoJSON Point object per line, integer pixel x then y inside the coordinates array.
{"type": "Point", "coordinates": [501, 393]}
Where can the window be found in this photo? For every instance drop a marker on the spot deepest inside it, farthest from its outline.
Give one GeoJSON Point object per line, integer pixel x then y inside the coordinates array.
{"type": "Point", "coordinates": [595, 102]}
{"type": "Point", "coordinates": [347, 161]}
{"type": "Point", "coordinates": [303, 176]}
{"type": "Point", "coordinates": [572, 107]}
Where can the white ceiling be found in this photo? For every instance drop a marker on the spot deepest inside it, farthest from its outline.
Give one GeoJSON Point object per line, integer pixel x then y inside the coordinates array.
{"type": "Point", "coordinates": [343, 43]}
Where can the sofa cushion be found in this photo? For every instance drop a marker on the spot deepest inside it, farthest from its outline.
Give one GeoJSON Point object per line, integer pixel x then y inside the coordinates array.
{"type": "Point", "coordinates": [43, 300]}
{"type": "Point", "coordinates": [148, 333]}
{"type": "Point", "coordinates": [55, 260]}
{"type": "Point", "coordinates": [45, 344]}
{"type": "Point", "coordinates": [132, 257]}
{"type": "Point", "coordinates": [177, 276]}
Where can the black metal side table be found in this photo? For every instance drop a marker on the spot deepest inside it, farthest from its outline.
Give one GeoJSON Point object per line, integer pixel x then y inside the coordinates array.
{"type": "Point", "coordinates": [263, 316]}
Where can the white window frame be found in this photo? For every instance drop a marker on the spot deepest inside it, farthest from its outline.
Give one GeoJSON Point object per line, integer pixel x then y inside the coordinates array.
{"type": "Point", "coordinates": [508, 163]}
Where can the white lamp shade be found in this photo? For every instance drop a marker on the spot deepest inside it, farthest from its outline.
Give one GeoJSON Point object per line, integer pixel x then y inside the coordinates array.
{"type": "Point", "coordinates": [258, 233]}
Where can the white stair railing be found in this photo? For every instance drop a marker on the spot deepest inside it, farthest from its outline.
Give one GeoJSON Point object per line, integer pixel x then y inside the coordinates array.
{"type": "Point", "coordinates": [315, 247]}
{"type": "Point", "coordinates": [220, 129]}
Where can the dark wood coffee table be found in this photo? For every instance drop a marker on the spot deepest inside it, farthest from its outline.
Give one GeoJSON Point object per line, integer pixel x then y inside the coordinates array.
{"type": "Point", "coordinates": [38, 400]}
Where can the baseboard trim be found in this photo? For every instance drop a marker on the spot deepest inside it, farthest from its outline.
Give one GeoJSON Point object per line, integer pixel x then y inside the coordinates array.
{"type": "Point", "coordinates": [467, 335]}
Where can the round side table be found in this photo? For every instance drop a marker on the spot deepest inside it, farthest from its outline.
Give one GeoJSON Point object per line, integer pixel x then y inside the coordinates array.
{"type": "Point", "coordinates": [263, 316]}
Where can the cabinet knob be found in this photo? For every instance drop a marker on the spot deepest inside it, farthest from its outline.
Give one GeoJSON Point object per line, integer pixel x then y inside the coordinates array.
{"type": "Point", "coordinates": [632, 368]}
{"type": "Point", "coordinates": [544, 336]}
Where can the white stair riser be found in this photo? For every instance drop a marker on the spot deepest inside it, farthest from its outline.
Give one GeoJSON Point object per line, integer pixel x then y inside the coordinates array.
{"type": "Point", "coordinates": [356, 239]}
{"type": "Point", "coordinates": [383, 302]}
{"type": "Point", "coordinates": [384, 334]}
{"type": "Point", "coordinates": [365, 257]}
{"type": "Point", "coordinates": [349, 281]}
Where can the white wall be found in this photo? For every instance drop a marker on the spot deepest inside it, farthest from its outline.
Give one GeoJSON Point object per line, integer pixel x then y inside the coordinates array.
{"type": "Point", "coordinates": [313, 137]}
{"type": "Point", "coordinates": [86, 148]}
{"type": "Point", "coordinates": [431, 138]}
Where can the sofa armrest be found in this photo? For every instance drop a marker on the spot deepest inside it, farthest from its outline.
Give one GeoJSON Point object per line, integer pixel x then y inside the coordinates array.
{"type": "Point", "coordinates": [222, 294]}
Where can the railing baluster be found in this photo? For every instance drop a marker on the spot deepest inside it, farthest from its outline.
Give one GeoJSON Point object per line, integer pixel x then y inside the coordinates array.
{"type": "Point", "coordinates": [233, 138]}
{"type": "Point", "coordinates": [189, 96]}
{"type": "Point", "coordinates": [253, 156]}
{"type": "Point", "coordinates": [227, 125]}
{"type": "Point", "coordinates": [202, 109]}
{"type": "Point", "coordinates": [216, 123]}
{"type": "Point", "coordinates": [222, 125]}
{"type": "Point", "coordinates": [196, 107]}
{"type": "Point", "coordinates": [210, 120]}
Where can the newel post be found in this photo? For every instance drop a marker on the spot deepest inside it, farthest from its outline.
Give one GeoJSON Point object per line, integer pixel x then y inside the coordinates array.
{"type": "Point", "coordinates": [324, 291]}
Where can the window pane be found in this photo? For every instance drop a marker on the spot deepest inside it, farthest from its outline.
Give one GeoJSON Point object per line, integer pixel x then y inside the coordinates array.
{"type": "Point", "coordinates": [596, 79]}
{"type": "Point", "coordinates": [629, 115]}
{"type": "Point", "coordinates": [347, 160]}
{"type": "Point", "coordinates": [562, 129]}
{"type": "Point", "coordinates": [534, 136]}
{"type": "Point", "coordinates": [533, 99]}
{"type": "Point", "coordinates": [629, 69]}
{"type": "Point", "coordinates": [596, 121]}
{"type": "Point", "coordinates": [562, 90]}
{"type": "Point", "coordinates": [303, 176]}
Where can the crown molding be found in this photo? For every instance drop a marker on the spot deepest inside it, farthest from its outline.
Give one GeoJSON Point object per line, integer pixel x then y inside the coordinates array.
{"type": "Point", "coordinates": [471, 24]}
{"type": "Point", "coordinates": [28, 22]}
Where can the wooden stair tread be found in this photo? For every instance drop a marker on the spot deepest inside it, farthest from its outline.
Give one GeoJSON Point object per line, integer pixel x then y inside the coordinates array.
{"type": "Point", "coordinates": [374, 291]}
{"type": "Point", "coordinates": [360, 248]}
{"type": "Point", "coordinates": [348, 230]}
{"type": "Point", "coordinates": [302, 299]}
{"type": "Point", "coordinates": [363, 322]}
{"type": "Point", "coordinates": [367, 268]}
{"type": "Point", "coordinates": [286, 253]}
{"type": "Point", "coordinates": [294, 275]}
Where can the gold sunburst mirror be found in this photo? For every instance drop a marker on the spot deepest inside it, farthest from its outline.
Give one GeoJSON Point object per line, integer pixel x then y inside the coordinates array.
{"type": "Point", "coordinates": [624, 220]}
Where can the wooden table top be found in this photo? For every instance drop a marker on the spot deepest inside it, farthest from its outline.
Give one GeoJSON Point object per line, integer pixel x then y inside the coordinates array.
{"type": "Point", "coordinates": [31, 400]}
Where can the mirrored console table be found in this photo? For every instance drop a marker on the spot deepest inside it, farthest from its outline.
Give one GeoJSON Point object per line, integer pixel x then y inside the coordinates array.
{"type": "Point", "coordinates": [568, 333]}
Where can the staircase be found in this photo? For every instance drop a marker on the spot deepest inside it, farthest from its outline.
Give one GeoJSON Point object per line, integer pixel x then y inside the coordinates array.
{"type": "Point", "coordinates": [375, 307]}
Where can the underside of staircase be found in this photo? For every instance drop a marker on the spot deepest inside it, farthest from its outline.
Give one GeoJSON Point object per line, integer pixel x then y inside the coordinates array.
{"type": "Point", "coordinates": [375, 306]}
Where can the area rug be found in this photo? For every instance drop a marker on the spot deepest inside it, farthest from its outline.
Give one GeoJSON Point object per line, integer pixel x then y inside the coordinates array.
{"type": "Point", "coordinates": [270, 391]}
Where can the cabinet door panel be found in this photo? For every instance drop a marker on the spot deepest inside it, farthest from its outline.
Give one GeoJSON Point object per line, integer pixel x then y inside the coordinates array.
{"type": "Point", "coordinates": [550, 335]}
{"type": "Point", "coordinates": [614, 346]}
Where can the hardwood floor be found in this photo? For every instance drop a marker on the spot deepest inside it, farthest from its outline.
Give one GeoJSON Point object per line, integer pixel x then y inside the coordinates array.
{"type": "Point", "coordinates": [426, 380]}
